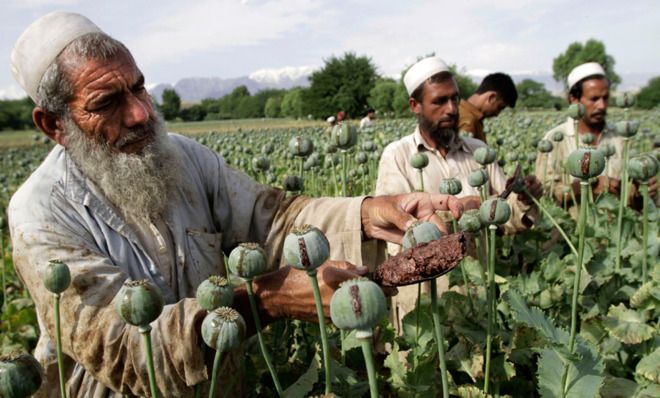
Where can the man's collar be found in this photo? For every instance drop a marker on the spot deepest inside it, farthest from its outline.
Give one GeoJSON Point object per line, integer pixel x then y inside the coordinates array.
{"type": "Point", "coordinates": [456, 143]}
{"type": "Point", "coordinates": [472, 109]}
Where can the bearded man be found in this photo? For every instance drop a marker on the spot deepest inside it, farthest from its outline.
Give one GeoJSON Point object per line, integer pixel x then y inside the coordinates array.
{"type": "Point", "coordinates": [434, 100]}
{"type": "Point", "coordinates": [118, 198]}
{"type": "Point", "coordinates": [587, 85]}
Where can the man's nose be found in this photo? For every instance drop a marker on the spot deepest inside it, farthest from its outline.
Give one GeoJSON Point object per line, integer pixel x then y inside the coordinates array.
{"type": "Point", "coordinates": [136, 112]}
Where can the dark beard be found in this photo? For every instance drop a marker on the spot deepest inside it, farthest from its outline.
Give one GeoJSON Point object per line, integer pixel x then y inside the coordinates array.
{"type": "Point", "coordinates": [441, 136]}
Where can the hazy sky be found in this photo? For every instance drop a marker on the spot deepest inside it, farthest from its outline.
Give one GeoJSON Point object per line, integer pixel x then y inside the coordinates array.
{"type": "Point", "coordinates": [173, 39]}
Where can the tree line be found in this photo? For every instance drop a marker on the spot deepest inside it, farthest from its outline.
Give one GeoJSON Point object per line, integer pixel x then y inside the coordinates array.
{"type": "Point", "coordinates": [351, 83]}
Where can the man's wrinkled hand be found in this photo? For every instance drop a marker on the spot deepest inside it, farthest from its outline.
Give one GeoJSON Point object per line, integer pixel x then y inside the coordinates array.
{"type": "Point", "coordinates": [472, 202]}
{"type": "Point", "coordinates": [287, 292]}
{"type": "Point", "coordinates": [388, 217]}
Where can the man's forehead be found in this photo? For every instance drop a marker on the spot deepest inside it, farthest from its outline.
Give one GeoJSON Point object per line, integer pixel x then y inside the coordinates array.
{"type": "Point", "coordinates": [441, 88]}
{"type": "Point", "coordinates": [114, 69]}
{"type": "Point", "coordinates": [596, 83]}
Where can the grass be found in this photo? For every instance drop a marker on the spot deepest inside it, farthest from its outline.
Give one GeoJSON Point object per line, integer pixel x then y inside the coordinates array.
{"type": "Point", "coordinates": [25, 138]}
{"type": "Point", "coordinates": [18, 138]}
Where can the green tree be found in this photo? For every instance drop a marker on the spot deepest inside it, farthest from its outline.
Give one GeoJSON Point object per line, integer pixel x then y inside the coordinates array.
{"type": "Point", "coordinates": [466, 86]}
{"type": "Point", "coordinates": [194, 113]}
{"type": "Point", "coordinates": [342, 84]}
{"type": "Point", "coordinates": [400, 102]}
{"type": "Point", "coordinates": [16, 114]}
{"type": "Point", "coordinates": [272, 108]}
{"type": "Point", "coordinates": [381, 97]}
{"type": "Point", "coordinates": [171, 104]}
{"type": "Point", "coordinates": [532, 94]}
{"type": "Point", "coordinates": [649, 95]}
{"type": "Point", "coordinates": [292, 103]}
{"type": "Point", "coordinates": [577, 53]}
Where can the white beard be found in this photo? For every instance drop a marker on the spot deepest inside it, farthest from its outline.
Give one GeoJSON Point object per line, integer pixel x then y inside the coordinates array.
{"type": "Point", "coordinates": [139, 185]}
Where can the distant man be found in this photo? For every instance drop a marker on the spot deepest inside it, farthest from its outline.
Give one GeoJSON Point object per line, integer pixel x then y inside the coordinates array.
{"type": "Point", "coordinates": [368, 120]}
{"type": "Point", "coordinates": [434, 100]}
{"type": "Point", "coordinates": [587, 84]}
{"type": "Point", "coordinates": [495, 93]}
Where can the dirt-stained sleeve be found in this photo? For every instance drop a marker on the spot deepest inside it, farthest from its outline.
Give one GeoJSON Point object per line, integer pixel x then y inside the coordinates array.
{"type": "Point", "coordinates": [93, 335]}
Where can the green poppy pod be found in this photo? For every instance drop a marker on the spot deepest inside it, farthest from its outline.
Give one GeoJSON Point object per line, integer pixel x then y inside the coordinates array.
{"type": "Point", "coordinates": [531, 157]}
{"type": "Point", "coordinates": [419, 160]}
{"type": "Point", "coordinates": [558, 136]}
{"type": "Point", "coordinates": [450, 186]}
{"type": "Point", "coordinates": [306, 248]}
{"type": "Point", "coordinates": [359, 304]}
{"type": "Point", "coordinates": [292, 183]}
{"type": "Point", "coordinates": [588, 139]}
{"type": "Point", "coordinates": [56, 276]}
{"type": "Point", "coordinates": [261, 163]}
{"type": "Point", "coordinates": [368, 146]}
{"type": "Point", "coordinates": [627, 128]}
{"type": "Point", "coordinates": [625, 100]}
{"type": "Point", "coordinates": [301, 146]}
{"type": "Point", "coordinates": [499, 141]}
{"type": "Point", "coordinates": [575, 111]}
{"type": "Point", "coordinates": [331, 148]}
{"type": "Point", "coordinates": [361, 158]}
{"type": "Point", "coordinates": [485, 155]}
{"type": "Point", "coordinates": [544, 146]}
{"type": "Point", "coordinates": [20, 375]}
{"type": "Point", "coordinates": [345, 136]}
{"type": "Point", "coordinates": [214, 292]}
{"type": "Point", "coordinates": [470, 221]}
{"type": "Point", "coordinates": [642, 168]}
{"type": "Point", "coordinates": [223, 329]}
{"type": "Point", "coordinates": [139, 302]}
{"type": "Point", "coordinates": [607, 148]}
{"type": "Point", "coordinates": [478, 178]}
{"type": "Point", "coordinates": [267, 149]}
{"type": "Point", "coordinates": [494, 212]}
{"type": "Point", "coordinates": [247, 260]}
{"type": "Point", "coordinates": [585, 163]}
{"type": "Point", "coordinates": [420, 232]}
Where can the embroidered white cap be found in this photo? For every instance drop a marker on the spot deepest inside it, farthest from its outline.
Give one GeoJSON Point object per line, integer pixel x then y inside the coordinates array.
{"type": "Point", "coordinates": [422, 70]}
{"type": "Point", "coordinates": [42, 42]}
{"type": "Point", "coordinates": [581, 71]}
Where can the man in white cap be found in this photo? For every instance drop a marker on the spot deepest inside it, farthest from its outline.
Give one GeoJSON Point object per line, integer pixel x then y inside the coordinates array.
{"type": "Point", "coordinates": [434, 100]}
{"type": "Point", "coordinates": [587, 85]}
{"type": "Point", "coordinates": [119, 198]}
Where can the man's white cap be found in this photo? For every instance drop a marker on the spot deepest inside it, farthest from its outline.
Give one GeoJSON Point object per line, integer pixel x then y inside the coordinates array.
{"type": "Point", "coordinates": [422, 70]}
{"type": "Point", "coordinates": [581, 71]}
{"type": "Point", "coordinates": [331, 119]}
{"type": "Point", "coordinates": [42, 42]}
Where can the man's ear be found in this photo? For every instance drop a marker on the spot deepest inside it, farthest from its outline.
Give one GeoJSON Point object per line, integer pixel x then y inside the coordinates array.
{"type": "Point", "coordinates": [491, 97]}
{"type": "Point", "coordinates": [49, 124]}
{"type": "Point", "coordinates": [415, 107]}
